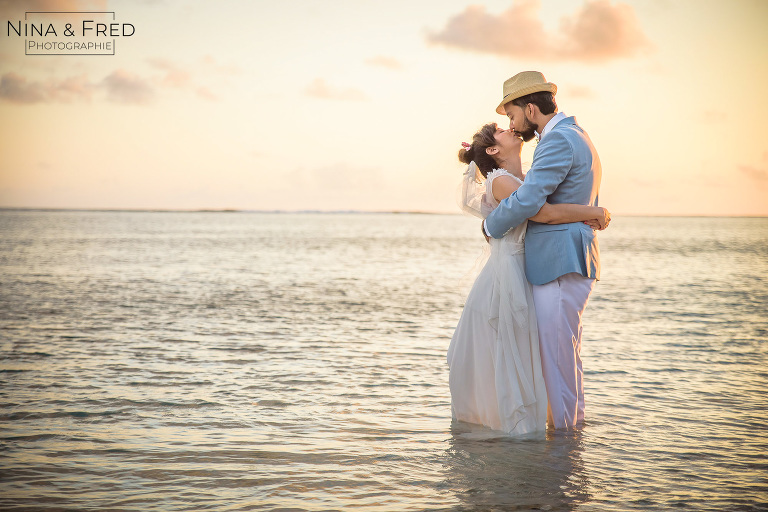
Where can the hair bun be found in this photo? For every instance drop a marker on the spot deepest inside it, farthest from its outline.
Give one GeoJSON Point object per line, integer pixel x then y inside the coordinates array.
{"type": "Point", "coordinates": [466, 156]}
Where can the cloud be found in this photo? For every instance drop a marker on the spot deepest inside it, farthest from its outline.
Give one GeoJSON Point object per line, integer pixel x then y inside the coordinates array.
{"type": "Point", "coordinates": [598, 32]}
{"type": "Point", "coordinates": [70, 89]}
{"type": "Point", "coordinates": [206, 94]}
{"type": "Point", "coordinates": [173, 75]}
{"type": "Point", "coordinates": [15, 9]}
{"type": "Point", "coordinates": [384, 62]}
{"type": "Point", "coordinates": [603, 31]}
{"type": "Point", "coordinates": [125, 87]}
{"type": "Point", "coordinates": [120, 86]}
{"type": "Point", "coordinates": [320, 89]}
{"type": "Point", "coordinates": [579, 91]}
{"type": "Point", "coordinates": [754, 173]}
{"type": "Point", "coordinates": [15, 88]}
{"type": "Point", "coordinates": [211, 65]}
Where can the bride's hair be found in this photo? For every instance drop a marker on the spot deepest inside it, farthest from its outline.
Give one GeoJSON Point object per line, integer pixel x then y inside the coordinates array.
{"type": "Point", "coordinates": [483, 139]}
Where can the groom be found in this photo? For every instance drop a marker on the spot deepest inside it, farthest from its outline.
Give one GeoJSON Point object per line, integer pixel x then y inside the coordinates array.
{"type": "Point", "coordinates": [562, 262]}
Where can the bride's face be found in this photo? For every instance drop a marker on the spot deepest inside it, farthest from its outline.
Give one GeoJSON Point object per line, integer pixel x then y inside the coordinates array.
{"type": "Point", "coordinates": [508, 143]}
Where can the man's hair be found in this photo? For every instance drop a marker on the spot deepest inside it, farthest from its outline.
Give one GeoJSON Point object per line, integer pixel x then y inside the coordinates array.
{"type": "Point", "coordinates": [544, 100]}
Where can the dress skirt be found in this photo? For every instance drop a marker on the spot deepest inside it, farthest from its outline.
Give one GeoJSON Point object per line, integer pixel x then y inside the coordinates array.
{"type": "Point", "coordinates": [495, 374]}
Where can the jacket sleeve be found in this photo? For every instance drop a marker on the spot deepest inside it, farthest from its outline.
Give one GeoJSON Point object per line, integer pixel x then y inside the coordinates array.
{"type": "Point", "coordinates": [551, 163]}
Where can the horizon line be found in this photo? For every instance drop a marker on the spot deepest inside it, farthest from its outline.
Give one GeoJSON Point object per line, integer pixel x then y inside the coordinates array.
{"type": "Point", "coordinates": [328, 212]}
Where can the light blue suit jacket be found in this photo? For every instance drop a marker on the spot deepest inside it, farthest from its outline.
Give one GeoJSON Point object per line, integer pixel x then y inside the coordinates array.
{"type": "Point", "coordinates": [565, 169]}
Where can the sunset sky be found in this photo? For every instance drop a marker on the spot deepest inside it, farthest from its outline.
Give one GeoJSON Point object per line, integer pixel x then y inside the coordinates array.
{"type": "Point", "coordinates": [363, 104]}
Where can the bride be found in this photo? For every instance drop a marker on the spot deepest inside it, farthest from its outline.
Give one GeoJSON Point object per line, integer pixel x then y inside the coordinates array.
{"type": "Point", "coordinates": [495, 372]}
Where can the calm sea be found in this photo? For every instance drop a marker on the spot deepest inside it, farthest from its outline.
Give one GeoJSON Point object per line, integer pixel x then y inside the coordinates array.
{"type": "Point", "coordinates": [250, 361]}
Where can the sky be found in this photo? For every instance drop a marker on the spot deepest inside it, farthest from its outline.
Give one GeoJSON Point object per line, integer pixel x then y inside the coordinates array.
{"type": "Point", "coordinates": [363, 104]}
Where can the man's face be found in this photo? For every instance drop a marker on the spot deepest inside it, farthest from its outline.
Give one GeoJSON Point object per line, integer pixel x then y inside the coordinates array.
{"type": "Point", "coordinates": [519, 122]}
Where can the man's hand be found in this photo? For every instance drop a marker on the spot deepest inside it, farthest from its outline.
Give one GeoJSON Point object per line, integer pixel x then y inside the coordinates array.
{"type": "Point", "coordinates": [601, 222]}
{"type": "Point", "coordinates": [482, 228]}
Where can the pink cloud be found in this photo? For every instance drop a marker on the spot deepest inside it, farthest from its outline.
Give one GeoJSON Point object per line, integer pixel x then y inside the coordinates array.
{"type": "Point", "coordinates": [754, 173]}
{"type": "Point", "coordinates": [212, 66]}
{"type": "Point", "coordinates": [384, 62]}
{"type": "Point", "coordinates": [599, 31]}
{"type": "Point", "coordinates": [15, 88]}
{"type": "Point", "coordinates": [173, 76]}
{"type": "Point", "coordinates": [70, 89]}
{"type": "Point", "coordinates": [176, 76]}
{"type": "Point", "coordinates": [15, 9]}
{"type": "Point", "coordinates": [125, 87]}
{"type": "Point", "coordinates": [120, 86]}
{"type": "Point", "coordinates": [206, 94]}
{"type": "Point", "coordinates": [320, 89]}
{"type": "Point", "coordinates": [579, 91]}
{"type": "Point", "coordinates": [603, 31]}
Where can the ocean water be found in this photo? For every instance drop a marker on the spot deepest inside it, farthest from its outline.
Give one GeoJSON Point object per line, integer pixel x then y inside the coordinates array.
{"type": "Point", "coordinates": [252, 361]}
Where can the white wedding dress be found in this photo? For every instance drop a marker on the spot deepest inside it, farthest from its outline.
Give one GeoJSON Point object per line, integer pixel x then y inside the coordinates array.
{"type": "Point", "coordinates": [495, 368]}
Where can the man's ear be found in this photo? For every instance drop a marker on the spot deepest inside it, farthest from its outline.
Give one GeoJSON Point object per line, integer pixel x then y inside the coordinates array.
{"type": "Point", "coordinates": [531, 110]}
{"type": "Point", "coordinates": [492, 150]}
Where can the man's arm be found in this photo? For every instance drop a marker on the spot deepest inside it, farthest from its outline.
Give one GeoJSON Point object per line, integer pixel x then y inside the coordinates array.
{"type": "Point", "coordinates": [565, 213]}
{"type": "Point", "coordinates": [551, 163]}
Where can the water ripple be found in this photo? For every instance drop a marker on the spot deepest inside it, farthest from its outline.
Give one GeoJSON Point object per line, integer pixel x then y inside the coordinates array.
{"type": "Point", "coordinates": [168, 361]}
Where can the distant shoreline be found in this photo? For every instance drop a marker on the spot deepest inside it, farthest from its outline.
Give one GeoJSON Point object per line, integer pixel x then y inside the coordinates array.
{"type": "Point", "coordinates": [222, 210]}
{"type": "Point", "coordinates": [326, 212]}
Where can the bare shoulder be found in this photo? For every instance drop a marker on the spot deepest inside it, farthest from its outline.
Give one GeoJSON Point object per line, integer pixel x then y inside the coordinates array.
{"type": "Point", "coordinates": [503, 186]}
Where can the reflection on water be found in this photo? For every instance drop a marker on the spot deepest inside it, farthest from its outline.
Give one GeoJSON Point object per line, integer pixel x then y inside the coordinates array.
{"type": "Point", "coordinates": [243, 361]}
{"type": "Point", "coordinates": [507, 474]}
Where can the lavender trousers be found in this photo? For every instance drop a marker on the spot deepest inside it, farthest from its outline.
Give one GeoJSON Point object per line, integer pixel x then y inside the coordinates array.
{"type": "Point", "coordinates": [559, 308]}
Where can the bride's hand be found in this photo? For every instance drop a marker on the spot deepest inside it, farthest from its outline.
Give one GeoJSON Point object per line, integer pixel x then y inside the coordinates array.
{"type": "Point", "coordinates": [600, 222]}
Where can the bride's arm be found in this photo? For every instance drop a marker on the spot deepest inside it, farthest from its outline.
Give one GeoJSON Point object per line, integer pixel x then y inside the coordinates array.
{"type": "Point", "coordinates": [598, 217]}
{"type": "Point", "coordinates": [503, 186]}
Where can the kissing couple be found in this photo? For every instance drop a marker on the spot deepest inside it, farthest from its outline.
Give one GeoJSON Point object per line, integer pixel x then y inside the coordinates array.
{"type": "Point", "coordinates": [514, 358]}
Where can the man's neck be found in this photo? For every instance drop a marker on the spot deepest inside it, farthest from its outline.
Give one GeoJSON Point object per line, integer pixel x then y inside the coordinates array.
{"type": "Point", "coordinates": [546, 119]}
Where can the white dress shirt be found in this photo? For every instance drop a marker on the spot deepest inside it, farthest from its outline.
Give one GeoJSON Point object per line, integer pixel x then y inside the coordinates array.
{"type": "Point", "coordinates": [551, 124]}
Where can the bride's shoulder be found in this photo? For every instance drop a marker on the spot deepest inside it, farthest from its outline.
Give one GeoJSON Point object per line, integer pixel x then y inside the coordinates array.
{"type": "Point", "coordinates": [501, 172]}
{"type": "Point", "coordinates": [497, 172]}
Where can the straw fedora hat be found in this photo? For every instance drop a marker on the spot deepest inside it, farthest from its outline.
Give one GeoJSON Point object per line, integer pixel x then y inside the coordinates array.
{"type": "Point", "coordinates": [524, 83]}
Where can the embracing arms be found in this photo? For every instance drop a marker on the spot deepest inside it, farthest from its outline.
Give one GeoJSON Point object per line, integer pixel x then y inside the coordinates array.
{"type": "Point", "coordinates": [551, 162]}
{"type": "Point", "coordinates": [595, 216]}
